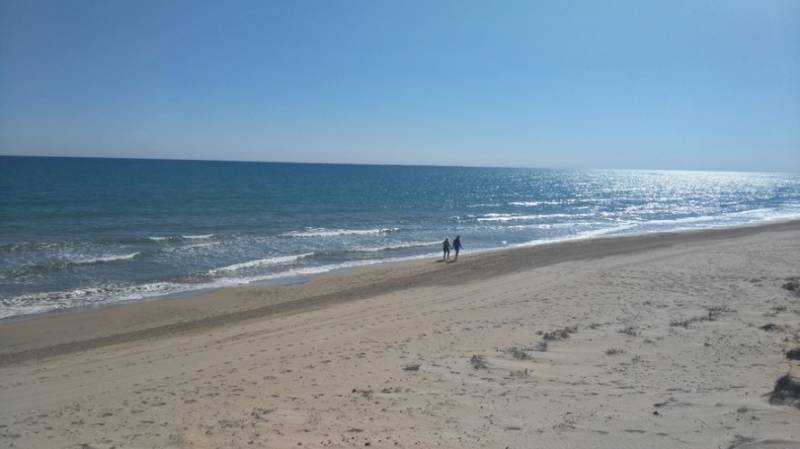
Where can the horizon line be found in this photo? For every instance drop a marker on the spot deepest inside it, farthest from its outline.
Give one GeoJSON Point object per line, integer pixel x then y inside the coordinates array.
{"type": "Point", "coordinates": [368, 164]}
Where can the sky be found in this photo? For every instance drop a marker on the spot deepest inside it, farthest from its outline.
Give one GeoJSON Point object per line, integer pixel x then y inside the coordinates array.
{"type": "Point", "coordinates": [705, 85]}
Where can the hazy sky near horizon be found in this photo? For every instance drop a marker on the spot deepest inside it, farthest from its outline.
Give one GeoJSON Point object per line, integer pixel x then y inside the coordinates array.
{"type": "Point", "coordinates": [709, 85]}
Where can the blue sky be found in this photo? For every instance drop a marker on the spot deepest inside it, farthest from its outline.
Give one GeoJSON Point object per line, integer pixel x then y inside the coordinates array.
{"type": "Point", "coordinates": [627, 84]}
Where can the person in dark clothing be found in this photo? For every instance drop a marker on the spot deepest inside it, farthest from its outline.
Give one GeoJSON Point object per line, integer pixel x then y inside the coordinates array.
{"type": "Point", "coordinates": [446, 249]}
{"type": "Point", "coordinates": [457, 246]}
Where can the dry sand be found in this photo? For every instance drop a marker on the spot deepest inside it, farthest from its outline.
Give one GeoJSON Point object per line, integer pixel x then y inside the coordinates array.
{"type": "Point", "coordinates": [664, 349]}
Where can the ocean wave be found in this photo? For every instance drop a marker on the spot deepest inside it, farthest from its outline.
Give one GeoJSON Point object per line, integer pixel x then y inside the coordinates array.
{"type": "Point", "coordinates": [605, 231]}
{"type": "Point", "coordinates": [200, 245]}
{"type": "Point", "coordinates": [525, 203]}
{"type": "Point", "coordinates": [513, 217]}
{"type": "Point", "coordinates": [746, 216]}
{"type": "Point", "coordinates": [51, 265]}
{"type": "Point", "coordinates": [698, 219]}
{"type": "Point", "coordinates": [324, 232]}
{"type": "Point", "coordinates": [483, 205]}
{"type": "Point", "coordinates": [164, 238]}
{"type": "Point", "coordinates": [51, 246]}
{"type": "Point", "coordinates": [318, 269]}
{"type": "Point", "coordinates": [57, 300]}
{"type": "Point", "coordinates": [103, 259]}
{"type": "Point", "coordinates": [534, 203]}
{"type": "Point", "coordinates": [376, 249]}
{"type": "Point", "coordinates": [23, 246]}
{"type": "Point", "coordinates": [493, 215]}
{"type": "Point", "coordinates": [551, 225]}
{"type": "Point", "coordinates": [579, 236]}
{"type": "Point", "coordinates": [266, 262]}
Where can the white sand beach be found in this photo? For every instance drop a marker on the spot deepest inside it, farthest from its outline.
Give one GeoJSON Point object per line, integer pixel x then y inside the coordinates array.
{"type": "Point", "coordinates": [658, 341]}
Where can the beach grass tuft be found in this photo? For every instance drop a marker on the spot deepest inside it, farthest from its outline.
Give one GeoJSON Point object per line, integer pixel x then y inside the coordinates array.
{"type": "Point", "coordinates": [518, 352]}
{"type": "Point", "coordinates": [792, 284]}
{"type": "Point", "coordinates": [560, 334]}
{"type": "Point", "coordinates": [478, 362]}
{"type": "Point", "coordinates": [411, 367]}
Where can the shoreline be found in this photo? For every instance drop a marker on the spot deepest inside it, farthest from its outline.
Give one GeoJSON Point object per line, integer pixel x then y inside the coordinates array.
{"type": "Point", "coordinates": [31, 337]}
{"type": "Point", "coordinates": [659, 341]}
{"type": "Point", "coordinates": [302, 274]}
{"type": "Point", "coordinates": [290, 280]}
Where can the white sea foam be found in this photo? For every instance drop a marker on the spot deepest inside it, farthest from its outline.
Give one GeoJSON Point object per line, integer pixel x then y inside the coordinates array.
{"type": "Point", "coordinates": [198, 237]}
{"type": "Point", "coordinates": [713, 221]}
{"type": "Point", "coordinates": [580, 236]}
{"type": "Point", "coordinates": [525, 203]}
{"type": "Point", "coordinates": [551, 225]}
{"type": "Point", "coordinates": [266, 262]}
{"type": "Point", "coordinates": [161, 238]}
{"type": "Point", "coordinates": [311, 270]}
{"type": "Point", "coordinates": [375, 249]}
{"type": "Point", "coordinates": [323, 232]}
{"type": "Point", "coordinates": [200, 245]}
{"type": "Point", "coordinates": [537, 203]}
{"type": "Point", "coordinates": [512, 217]}
{"type": "Point", "coordinates": [102, 259]}
{"type": "Point", "coordinates": [55, 300]}
{"type": "Point", "coordinates": [484, 205]}
{"type": "Point", "coordinates": [495, 215]}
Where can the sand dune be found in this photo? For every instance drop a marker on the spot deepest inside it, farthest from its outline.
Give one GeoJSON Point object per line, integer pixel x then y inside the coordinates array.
{"type": "Point", "coordinates": [659, 341]}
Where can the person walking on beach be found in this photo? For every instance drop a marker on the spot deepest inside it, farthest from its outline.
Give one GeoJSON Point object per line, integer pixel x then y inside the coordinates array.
{"type": "Point", "coordinates": [457, 246]}
{"type": "Point", "coordinates": [446, 249]}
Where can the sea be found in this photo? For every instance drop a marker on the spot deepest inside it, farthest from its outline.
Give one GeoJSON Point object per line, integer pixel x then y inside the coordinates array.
{"type": "Point", "coordinates": [84, 232]}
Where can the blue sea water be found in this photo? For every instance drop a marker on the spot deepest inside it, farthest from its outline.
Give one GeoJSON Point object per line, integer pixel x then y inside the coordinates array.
{"type": "Point", "coordinates": [79, 232]}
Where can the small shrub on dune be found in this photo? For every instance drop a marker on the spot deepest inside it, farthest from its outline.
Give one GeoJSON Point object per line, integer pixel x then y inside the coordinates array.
{"type": "Point", "coordinates": [715, 312]}
{"type": "Point", "coordinates": [680, 323]}
{"type": "Point", "coordinates": [792, 284]}
{"type": "Point", "coordinates": [740, 440]}
{"type": "Point", "coordinates": [712, 316]}
{"type": "Point", "coordinates": [560, 334]}
{"type": "Point", "coordinates": [786, 391]}
{"type": "Point", "coordinates": [518, 353]}
{"type": "Point", "coordinates": [521, 374]}
{"type": "Point", "coordinates": [478, 362]}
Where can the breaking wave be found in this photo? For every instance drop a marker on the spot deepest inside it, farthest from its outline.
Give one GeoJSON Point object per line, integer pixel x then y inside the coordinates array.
{"type": "Point", "coordinates": [323, 232]}
{"type": "Point", "coordinates": [266, 262]}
